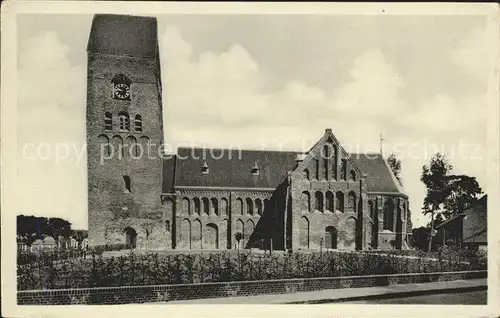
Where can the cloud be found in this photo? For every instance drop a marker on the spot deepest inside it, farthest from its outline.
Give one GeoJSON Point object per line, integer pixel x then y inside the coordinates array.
{"type": "Point", "coordinates": [51, 114]}
{"type": "Point", "coordinates": [443, 113]}
{"type": "Point", "coordinates": [374, 89]}
{"type": "Point", "coordinates": [472, 54]}
{"type": "Point", "coordinates": [217, 97]}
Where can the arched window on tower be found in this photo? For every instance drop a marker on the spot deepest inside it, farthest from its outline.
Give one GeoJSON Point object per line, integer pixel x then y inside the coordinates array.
{"type": "Point", "coordinates": [127, 184]}
{"type": "Point", "coordinates": [167, 225]}
{"type": "Point", "coordinates": [124, 121]}
{"type": "Point", "coordinates": [138, 123]}
{"type": "Point", "coordinates": [108, 121]}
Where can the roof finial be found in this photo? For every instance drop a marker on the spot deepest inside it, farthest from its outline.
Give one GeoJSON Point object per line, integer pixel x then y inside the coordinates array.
{"type": "Point", "coordinates": [381, 144]}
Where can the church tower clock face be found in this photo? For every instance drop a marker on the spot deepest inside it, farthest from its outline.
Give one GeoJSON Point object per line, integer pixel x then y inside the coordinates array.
{"type": "Point", "coordinates": [122, 91]}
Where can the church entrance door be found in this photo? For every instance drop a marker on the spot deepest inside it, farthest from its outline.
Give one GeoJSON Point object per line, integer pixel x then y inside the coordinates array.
{"type": "Point", "coordinates": [130, 237]}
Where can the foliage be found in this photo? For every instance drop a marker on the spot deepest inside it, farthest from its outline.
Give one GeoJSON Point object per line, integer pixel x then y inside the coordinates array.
{"type": "Point", "coordinates": [447, 194]}
{"type": "Point", "coordinates": [79, 236]}
{"type": "Point", "coordinates": [421, 237]}
{"type": "Point", "coordinates": [31, 228]}
{"type": "Point", "coordinates": [395, 165]}
{"type": "Point", "coordinates": [154, 268]}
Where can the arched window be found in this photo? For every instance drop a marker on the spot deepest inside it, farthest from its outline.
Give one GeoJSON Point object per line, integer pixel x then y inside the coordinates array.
{"type": "Point", "coordinates": [326, 156]}
{"type": "Point", "coordinates": [371, 207]}
{"type": "Point", "coordinates": [306, 201]}
{"type": "Point", "coordinates": [215, 206]}
{"type": "Point", "coordinates": [224, 206]}
{"type": "Point", "coordinates": [138, 123]}
{"type": "Point", "coordinates": [351, 201]}
{"type": "Point", "coordinates": [343, 169]}
{"type": "Point", "coordinates": [132, 148]}
{"type": "Point", "coordinates": [167, 225]}
{"type": "Point", "coordinates": [352, 175]}
{"type": "Point", "coordinates": [186, 206]}
{"type": "Point", "coordinates": [258, 206]}
{"type": "Point", "coordinates": [206, 206]}
{"type": "Point", "coordinates": [197, 206]}
{"type": "Point", "coordinates": [249, 203]}
{"type": "Point", "coordinates": [318, 202]}
{"type": "Point", "coordinates": [340, 201]}
{"type": "Point", "coordinates": [306, 174]}
{"type": "Point", "coordinates": [329, 201]}
{"type": "Point", "coordinates": [316, 161]}
{"type": "Point", "coordinates": [118, 146]}
{"type": "Point", "coordinates": [389, 215]}
{"type": "Point", "coordinates": [124, 121]}
{"type": "Point", "coordinates": [127, 183]}
{"type": "Point", "coordinates": [108, 121]}
{"type": "Point", "coordinates": [334, 162]}
{"type": "Point", "coordinates": [238, 208]}
{"type": "Point", "coordinates": [105, 147]}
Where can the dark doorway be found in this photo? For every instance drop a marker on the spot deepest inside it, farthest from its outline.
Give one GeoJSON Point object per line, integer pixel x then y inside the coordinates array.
{"type": "Point", "coordinates": [130, 237]}
{"type": "Point", "coordinates": [330, 237]}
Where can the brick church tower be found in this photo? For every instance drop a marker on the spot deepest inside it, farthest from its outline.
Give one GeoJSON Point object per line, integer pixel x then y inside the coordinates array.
{"type": "Point", "coordinates": [124, 130]}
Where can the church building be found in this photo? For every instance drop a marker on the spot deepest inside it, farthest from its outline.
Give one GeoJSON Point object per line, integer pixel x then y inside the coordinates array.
{"type": "Point", "coordinates": [216, 199]}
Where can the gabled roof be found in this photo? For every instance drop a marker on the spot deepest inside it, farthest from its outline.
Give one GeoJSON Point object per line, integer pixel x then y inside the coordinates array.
{"type": "Point", "coordinates": [124, 35]}
{"type": "Point", "coordinates": [228, 168]}
{"type": "Point", "coordinates": [380, 177]}
{"type": "Point", "coordinates": [232, 168]}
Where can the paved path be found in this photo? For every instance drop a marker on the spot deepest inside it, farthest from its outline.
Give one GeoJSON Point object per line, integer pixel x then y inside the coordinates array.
{"type": "Point", "coordinates": [348, 294]}
{"type": "Point", "coordinates": [463, 298]}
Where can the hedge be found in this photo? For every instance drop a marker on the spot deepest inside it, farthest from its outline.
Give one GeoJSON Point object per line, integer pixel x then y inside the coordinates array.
{"type": "Point", "coordinates": [155, 269]}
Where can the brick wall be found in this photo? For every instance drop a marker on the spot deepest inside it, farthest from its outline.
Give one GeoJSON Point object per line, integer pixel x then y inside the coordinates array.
{"type": "Point", "coordinates": [161, 293]}
{"type": "Point", "coordinates": [111, 208]}
{"type": "Point", "coordinates": [319, 173]}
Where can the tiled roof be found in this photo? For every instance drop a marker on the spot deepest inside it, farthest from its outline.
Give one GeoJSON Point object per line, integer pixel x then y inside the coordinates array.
{"type": "Point", "coordinates": [233, 168]}
{"type": "Point", "coordinates": [380, 177]}
{"type": "Point", "coordinates": [124, 35]}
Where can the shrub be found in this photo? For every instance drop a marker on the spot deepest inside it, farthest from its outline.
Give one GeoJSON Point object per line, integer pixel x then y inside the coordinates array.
{"type": "Point", "coordinates": [154, 268]}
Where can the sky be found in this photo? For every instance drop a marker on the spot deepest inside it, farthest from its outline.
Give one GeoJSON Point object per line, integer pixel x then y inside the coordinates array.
{"type": "Point", "coordinates": [266, 82]}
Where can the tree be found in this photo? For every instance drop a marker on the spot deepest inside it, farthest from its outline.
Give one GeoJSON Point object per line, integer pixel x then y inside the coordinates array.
{"type": "Point", "coordinates": [79, 236]}
{"type": "Point", "coordinates": [421, 237]}
{"type": "Point", "coordinates": [58, 227]}
{"type": "Point", "coordinates": [238, 236]}
{"type": "Point", "coordinates": [447, 194]}
{"type": "Point", "coordinates": [31, 228]}
{"type": "Point", "coordinates": [28, 230]}
{"type": "Point", "coordinates": [395, 165]}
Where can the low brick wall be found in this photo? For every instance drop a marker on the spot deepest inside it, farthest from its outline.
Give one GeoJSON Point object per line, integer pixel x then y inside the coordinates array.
{"type": "Point", "coordinates": [157, 293]}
